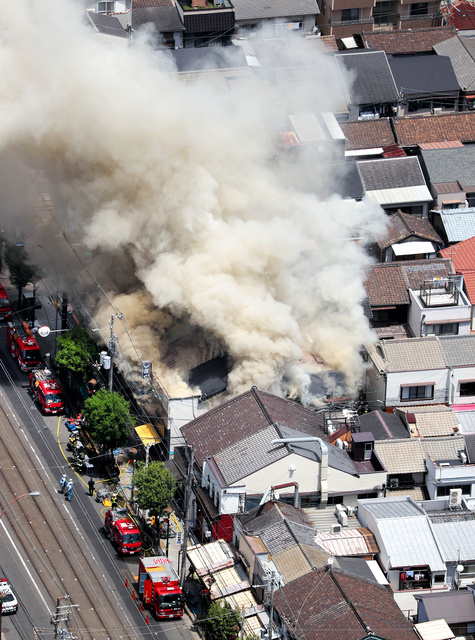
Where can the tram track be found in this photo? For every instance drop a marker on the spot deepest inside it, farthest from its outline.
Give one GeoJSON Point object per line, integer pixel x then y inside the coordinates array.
{"type": "Point", "coordinates": [59, 555]}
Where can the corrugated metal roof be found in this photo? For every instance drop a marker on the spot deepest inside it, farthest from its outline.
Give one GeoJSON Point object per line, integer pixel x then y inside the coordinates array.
{"type": "Point", "coordinates": [434, 630]}
{"type": "Point", "coordinates": [245, 602]}
{"type": "Point", "coordinates": [228, 581]}
{"type": "Point", "coordinates": [401, 195]}
{"type": "Point", "coordinates": [447, 187]}
{"type": "Point", "coordinates": [466, 421]}
{"type": "Point", "coordinates": [459, 224]}
{"type": "Point", "coordinates": [349, 542]}
{"type": "Point", "coordinates": [456, 539]}
{"type": "Point", "coordinates": [210, 557]}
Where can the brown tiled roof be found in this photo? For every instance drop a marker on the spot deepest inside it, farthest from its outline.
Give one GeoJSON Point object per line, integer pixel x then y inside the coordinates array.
{"type": "Point", "coordinates": [242, 417]}
{"type": "Point", "coordinates": [408, 41]}
{"type": "Point", "coordinates": [387, 283]}
{"type": "Point", "coordinates": [411, 131]}
{"type": "Point", "coordinates": [369, 134]}
{"type": "Point", "coordinates": [403, 225]}
{"type": "Point", "coordinates": [324, 605]}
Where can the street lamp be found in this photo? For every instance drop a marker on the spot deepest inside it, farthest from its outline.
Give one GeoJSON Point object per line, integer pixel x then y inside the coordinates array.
{"type": "Point", "coordinates": [32, 493]}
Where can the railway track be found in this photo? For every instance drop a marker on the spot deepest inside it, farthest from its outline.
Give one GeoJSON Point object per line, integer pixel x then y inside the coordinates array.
{"type": "Point", "coordinates": [50, 533]}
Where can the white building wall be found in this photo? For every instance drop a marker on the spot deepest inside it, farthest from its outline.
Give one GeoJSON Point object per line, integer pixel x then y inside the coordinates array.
{"type": "Point", "coordinates": [458, 375]}
{"type": "Point", "coordinates": [306, 474]}
{"type": "Point", "coordinates": [419, 316]}
{"type": "Point", "coordinates": [438, 377]}
{"type": "Point", "coordinates": [227, 499]}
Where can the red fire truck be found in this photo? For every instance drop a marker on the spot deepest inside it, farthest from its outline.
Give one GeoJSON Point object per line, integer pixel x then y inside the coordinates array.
{"type": "Point", "coordinates": [159, 587]}
{"type": "Point", "coordinates": [5, 306]}
{"type": "Point", "coordinates": [23, 346]}
{"type": "Point", "coordinates": [46, 391]}
{"type": "Point", "coordinates": [123, 531]}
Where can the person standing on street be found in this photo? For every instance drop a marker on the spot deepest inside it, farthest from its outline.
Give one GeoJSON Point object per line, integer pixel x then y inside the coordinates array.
{"type": "Point", "coordinates": [69, 489]}
{"type": "Point", "coordinates": [90, 484]}
{"type": "Point", "coordinates": [62, 483]}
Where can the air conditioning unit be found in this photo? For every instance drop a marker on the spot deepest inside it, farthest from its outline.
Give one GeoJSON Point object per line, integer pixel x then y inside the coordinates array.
{"type": "Point", "coordinates": [437, 110]}
{"type": "Point", "coordinates": [455, 497]}
{"type": "Point", "coordinates": [463, 457]}
{"type": "Point", "coordinates": [346, 446]}
{"type": "Point", "coordinates": [394, 483]}
{"type": "Point", "coordinates": [350, 511]}
{"type": "Point", "coordinates": [336, 528]}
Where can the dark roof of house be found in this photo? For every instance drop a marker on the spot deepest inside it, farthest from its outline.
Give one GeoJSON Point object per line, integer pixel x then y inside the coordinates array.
{"type": "Point", "coordinates": [391, 173]}
{"type": "Point", "coordinates": [163, 15]}
{"type": "Point", "coordinates": [461, 51]}
{"type": "Point", "coordinates": [408, 40]}
{"type": "Point", "coordinates": [211, 377]}
{"type": "Point", "coordinates": [368, 77]}
{"type": "Point", "coordinates": [423, 75]}
{"type": "Point", "coordinates": [271, 512]}
{"type": "Point", "coordinates": [241, 417]}
{"type": "Point", "coordinates": [470, 446]}
{"type": "Point", "coordinates": [209, 21]}
{"type": "Point", "coordinates": [403, 225]}
{"type": "Point", "coordinates": [383, 425]}
{"type": "Point", "coordinates": [109, 25]}
{"type": "Point", "coordinates": [263, 9]}
{"type": "Point", "coordinates": [450, 165]}
{"type": "Point", "coordinates": [317, 606]}
{"type": "Point", "coordinates": [455, 607]}
{"type": "Point", "coordinates": [387, 283]}
{"type": "Point", "coordinates": [411, 131]}
{"type": "Point", "coordinates": [207, 58]}
{"type": "Point", "coordinates": [367, 134]}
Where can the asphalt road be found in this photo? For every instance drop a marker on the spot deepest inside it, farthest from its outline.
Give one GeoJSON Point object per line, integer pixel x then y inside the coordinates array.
{"type": "Point", "coordinates": [52, 548]}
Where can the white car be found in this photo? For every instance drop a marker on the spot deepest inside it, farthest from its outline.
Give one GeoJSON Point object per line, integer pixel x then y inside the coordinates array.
{"type": "Point", "coordinates": [9, 601]}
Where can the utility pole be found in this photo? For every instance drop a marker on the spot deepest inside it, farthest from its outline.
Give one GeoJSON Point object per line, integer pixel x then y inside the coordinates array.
{"type": "Point", "coordinates": [271, 605]}
{"type": "Point", "coordinates": [62, 615]}
{"type": "Point", "coordinates": [119, 316]}
{"type": "Point", "coordinates": [187, 516]}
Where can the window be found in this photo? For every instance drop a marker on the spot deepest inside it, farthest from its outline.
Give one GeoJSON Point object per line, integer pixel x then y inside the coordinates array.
{"type": "Point", "coordinates": [105, 7]}
{"type": "Point", "coordinates": [467, 388]}
{"type": "Point", "coordinates": [423, 392]}
{"type": "Point", "coordinates": [451, 329]}
{"type": "Point", "coordinates": [439, 577]}
{"type": "Point", "coordinates": [347, 15]}
{"type": "Point", "coordinates": [444, 492]}
{"type": "Point", "coordinates": [419, 8]}
{"type": "Point", "coordinates": [385, 13]}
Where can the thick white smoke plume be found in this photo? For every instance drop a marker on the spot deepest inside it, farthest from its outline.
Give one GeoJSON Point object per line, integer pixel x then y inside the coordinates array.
{"type": "Point", "coordinates": [175, 182]}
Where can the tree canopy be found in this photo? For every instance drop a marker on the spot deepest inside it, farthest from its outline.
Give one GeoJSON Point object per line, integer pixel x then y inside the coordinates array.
{"type": "Point", "coordinates": [221, 623]}
{"type": "Point", "coordinates": [21, 272]}
{"type": "Point", "coordinates": [76, 351]}
{"type": "Point", "coordinates": [107, 415]}
{"type": "Point", "coordinates": [155, 486]}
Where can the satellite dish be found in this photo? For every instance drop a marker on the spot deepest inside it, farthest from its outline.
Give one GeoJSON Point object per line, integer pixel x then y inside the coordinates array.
{"type": "Point", "coordinates": [460, 568]}
{"type": "Point", "coordinates": [44, 331]}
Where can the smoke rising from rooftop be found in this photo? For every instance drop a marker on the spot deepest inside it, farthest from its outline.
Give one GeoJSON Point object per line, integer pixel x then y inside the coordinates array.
{"type": "Point", "coordinates": [177, 179]}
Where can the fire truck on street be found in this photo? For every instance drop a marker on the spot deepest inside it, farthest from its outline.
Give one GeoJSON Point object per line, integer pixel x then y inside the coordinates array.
{"type": "Point", "coordinates": [159, 587]}
{"type": "Point", "coordinates": [122, 531]}
{"type": "Point", "coordinates": [5, 306]}
{"type": "Point", "coordinates": [46, 391]}
{"type": "Point", "coordinates": [23, 346]}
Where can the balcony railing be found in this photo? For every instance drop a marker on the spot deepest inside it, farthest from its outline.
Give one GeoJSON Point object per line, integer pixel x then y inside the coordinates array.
{"type": "Point", "coordinates": [345, 23]}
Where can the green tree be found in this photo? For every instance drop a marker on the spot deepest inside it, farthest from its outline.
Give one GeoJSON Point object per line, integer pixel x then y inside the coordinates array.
{"type": "Point", "coordinates": [76, 352]}
{"type": "Point", "coordinates": [154, 486]}
{"type": "Point", "coordinates": [107, 415]}
{"type": "Point", "coordinates": [221, 623]}
{"type": "Point", "coordinates": [21, 272]}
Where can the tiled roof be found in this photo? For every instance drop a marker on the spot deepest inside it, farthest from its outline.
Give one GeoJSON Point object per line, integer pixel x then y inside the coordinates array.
{"type": "Point", "coordinates": [469, 283]}
{"type": "Point", "coordinates": [458, 351]}
{"type": "Point", "coordinates": [403, 225]}
{"type": "Point", "coordinates": [270, 513]}
{"type": "Point", "coordinates": [327, 614]}
{"type": "Point", "coordinates": [277, 538]}
{"type": "Point", "coordinates": [263, 9]}
{"type": "Point", "coordinates": [401, 456]}
{"type": "Point", "coordinates": [387, 282]}
{"type": "Point", "coordinates": [371, 79]}
{"type": "Point", "coordinates": [247, 456]}
{"type": "Point", "coordinates": [408, 455]}
{"type": "Point", "coordinates": [147, 4]}
{"type": "Point", "coordinates": [410, 131]}
{"type": "Point", "coordinates": [462, 255]}
{"type": "Point", "coordinates": [462, 60]}
{"type": "Point", "coordinates": [413, 354]}
{"type": "Point", "coordinates": [291, 563]}
{"type": "Point", "coordinates": [407, 41]}
{"type": "Point", "coordinates": [368, 134]}
{"type": "Point", "coordinates": [458, 224]}
{"type": "Point", "coordinates": [450, 165]}
{"type": "Point", "coordinates": [383, 425]}
{"type": "Point", "coordinates": [391, 173]}
{"type": "Point", "coordinates": [441, 423]}
{"type": "Point", "coordinates": [241, 417]}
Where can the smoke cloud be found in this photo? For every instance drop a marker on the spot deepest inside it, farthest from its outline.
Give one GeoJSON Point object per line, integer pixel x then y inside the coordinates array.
{"type": "Point", "coordinates": [174, 186]}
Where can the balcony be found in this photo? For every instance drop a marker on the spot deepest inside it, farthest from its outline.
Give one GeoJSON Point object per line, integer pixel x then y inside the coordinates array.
{"type": "Point", "coordinates": [349, 23]}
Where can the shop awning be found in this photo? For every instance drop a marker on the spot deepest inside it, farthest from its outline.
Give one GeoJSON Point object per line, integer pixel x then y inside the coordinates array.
{"type": "Point", "coordinates": [147, 435]}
